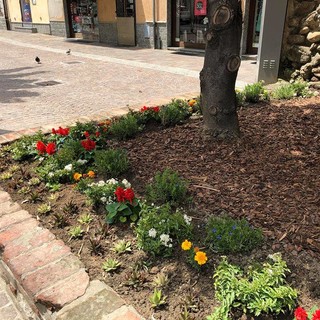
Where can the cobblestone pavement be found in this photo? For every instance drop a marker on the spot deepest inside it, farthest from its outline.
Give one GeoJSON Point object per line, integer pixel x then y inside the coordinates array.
{"type": "Point", "coordinates": [94, 81]}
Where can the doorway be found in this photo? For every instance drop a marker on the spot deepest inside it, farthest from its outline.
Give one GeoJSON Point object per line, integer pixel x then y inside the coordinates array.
{"type": "Point", "coordinates": [125, 10]}
{"type": "Point", "coordinates": [189, 23]}
{"type": "Point", "coordinates": [254, 26]}
{"type": "Point", "coordinates": [25, 12]}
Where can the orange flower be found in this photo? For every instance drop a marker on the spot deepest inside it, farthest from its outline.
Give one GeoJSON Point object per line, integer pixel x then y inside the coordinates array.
{"type": "Point", "coordinates": [77, 176]}
{"type": "Point", "coordinates": [91, 174]}
{"type": "Point", "coordinates": [196, 249]}
{"type": "Point", "coordinates": [186, 245]}
{"type": "Point", "coordinates": [192, 102]}
{"type": "Point", "coordinates": [201, 258]}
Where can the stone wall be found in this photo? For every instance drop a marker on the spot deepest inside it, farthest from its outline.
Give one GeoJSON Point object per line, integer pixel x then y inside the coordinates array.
{"type": "Point", "coordinates": [301, 40]}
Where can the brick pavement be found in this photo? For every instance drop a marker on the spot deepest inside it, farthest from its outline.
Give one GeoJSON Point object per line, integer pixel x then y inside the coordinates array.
{"type": "Point", "coordinates": [51, 279]}
{"type": "Point", "coordinates": [94, 82]}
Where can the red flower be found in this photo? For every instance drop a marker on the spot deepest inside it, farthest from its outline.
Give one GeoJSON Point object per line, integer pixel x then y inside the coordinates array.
{"type": "Point", "coordinates": [156, 109]}
{"type": "Point", "coordinates": [300, 314]}
{"type": "Point", "coordinates": [144, 108]}
{"type": "Point", "coordinates": [54, 131]}
{"type": "Point", "coordinates": [97, 134]}
{"type": "Point", "coordinates": [88, 144]}
{"type": "Point", "coordinates": [86, 134]}
{"type": "Point", "coordinates": [129, 194]}
{"type": "Point", "coordinates": [41, 147]}
{"type": "Point", "coordinates": [120, 193]}
{"type": "Point", "coordinates": [51, 148]}
{"type": "Point", "coordinates": [316, 315]}
{"type": "Point", "coordinates": [61, 131]}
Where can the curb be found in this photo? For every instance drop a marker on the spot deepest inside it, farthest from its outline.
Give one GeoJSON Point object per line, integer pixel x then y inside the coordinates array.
{"type": "Point", "coordinates": [43, 271]}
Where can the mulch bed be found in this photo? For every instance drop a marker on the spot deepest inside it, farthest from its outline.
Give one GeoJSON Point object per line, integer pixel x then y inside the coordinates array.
{"type": "Point", "coordinates": [270, 176]}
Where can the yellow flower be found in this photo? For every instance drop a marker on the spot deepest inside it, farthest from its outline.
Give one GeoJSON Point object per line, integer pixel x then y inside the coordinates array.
{"type": "Point", "coordinates": [77, 176]}
{"type": "Point", "coordinates": [91, 174]}
{"type": "Point", "coordinates": [192, 102]}
{"type": "Point", "coordinates": [186, 245]}
{"type": "Point", "coordinates": [201, 257]}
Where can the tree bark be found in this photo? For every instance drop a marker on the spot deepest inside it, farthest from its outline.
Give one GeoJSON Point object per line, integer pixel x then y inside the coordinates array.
{"type": "Point", "coordinates": [221, 65]}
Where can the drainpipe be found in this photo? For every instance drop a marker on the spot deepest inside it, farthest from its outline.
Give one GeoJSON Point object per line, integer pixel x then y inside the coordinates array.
{"type": "Point", "coordinates": [154, 24]}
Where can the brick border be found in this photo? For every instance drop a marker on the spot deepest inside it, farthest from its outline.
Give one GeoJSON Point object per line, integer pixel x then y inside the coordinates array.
{"type": "Point", "coordinates": [45, 271]}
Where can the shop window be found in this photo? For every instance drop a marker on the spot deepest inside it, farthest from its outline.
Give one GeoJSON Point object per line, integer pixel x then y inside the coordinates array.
{"type": "Point", "coordinates": [125, 8]}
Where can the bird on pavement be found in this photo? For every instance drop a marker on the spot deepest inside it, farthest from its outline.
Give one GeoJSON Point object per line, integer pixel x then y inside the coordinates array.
{"type": "Point", "coordinates": [37, 59]}
{"type": "Point", "coordinates": [68, 52]}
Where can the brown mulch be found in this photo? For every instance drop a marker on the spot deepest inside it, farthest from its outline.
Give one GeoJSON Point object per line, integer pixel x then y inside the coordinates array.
{"type": "Point", "coordinates": [270, 176]}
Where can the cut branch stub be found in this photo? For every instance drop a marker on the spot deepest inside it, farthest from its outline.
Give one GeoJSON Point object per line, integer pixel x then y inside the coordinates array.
{"type": "Point", "coordinates": [233, 63]}
{"type": "Point", "coordinates": [222, 17]}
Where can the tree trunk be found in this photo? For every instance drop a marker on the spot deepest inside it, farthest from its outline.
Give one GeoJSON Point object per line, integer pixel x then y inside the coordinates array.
{"type": "Point", "coordinates": [219, 73]}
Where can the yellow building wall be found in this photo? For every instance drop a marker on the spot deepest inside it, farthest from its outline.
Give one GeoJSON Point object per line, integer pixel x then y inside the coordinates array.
{"type": "Point", "coordinates": [40, 12]}
{"type": "Point", "coordinates": [144, 10]}
{"type": "Point", "coordinates": [106, 10]}
{"type": "Point", "coordinates": [14, 10]}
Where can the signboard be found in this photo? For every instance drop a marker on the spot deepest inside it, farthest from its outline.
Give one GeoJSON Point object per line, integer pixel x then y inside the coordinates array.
{"type": "Point", "coordinates": [200, 7]}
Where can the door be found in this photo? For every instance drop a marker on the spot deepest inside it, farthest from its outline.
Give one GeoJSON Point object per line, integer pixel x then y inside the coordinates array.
{"type": "Point", "coordinates": [125, 10]}
{"type": "Point", "coordinates": [255, 13]}
{"type": "Point", "coordinates": [26, 12]}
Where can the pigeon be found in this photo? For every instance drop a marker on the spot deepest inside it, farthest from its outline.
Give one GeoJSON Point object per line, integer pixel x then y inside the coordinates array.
{"type": "Point", "coordinates": [68, 52]}
{"type": "Point", "coordinates": [37, 59]}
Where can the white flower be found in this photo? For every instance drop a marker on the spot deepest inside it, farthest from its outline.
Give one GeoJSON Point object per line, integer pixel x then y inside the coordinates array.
{"type": "Point", "coordinates": [165, 239]}
{"type": "Point", "coordinates": [68, 167]}
{"type": "Point", "coordinates": [80, 161]}
{"type": "Point", "coordinates": [103, 199]}
{"type": "Point", "coordinates": [126, 183]}
{"type": "Point", "coordinates": [152, 233]}
{"type": "Point", "coordinates": [50, 174]}
{"type": "Point", "coordinates": [187, 219]}
{"type": "Point", "coordinates": [101, 183]}
{"type": "Point", "coordinates": [112, 181]}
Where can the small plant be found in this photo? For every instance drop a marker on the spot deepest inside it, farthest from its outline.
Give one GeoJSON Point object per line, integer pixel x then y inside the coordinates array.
{"type": "Point", "coordinates": [160, 228]}
{"type": "Point", "coordinates": [196, 256]}
{"type": "Point", "coordinates": [96, 243]}
{"type": "Point", "coordinates": [122, 246]}
{"type": "Point", "coordinates": [167, 187]}
{"type": "Point", "coordinates": [190, 303]}
{"type": "Point", "coordinates": [86, 218]}
{"type": "Point", "coordinates": [14, 168]}
{"type": "Point", "coordinates": [53, 197]}
{"type": "Point", "coordinates": [175, 112]}
{"type": "Point", "coordinates": [59, 220]}
{"type": "Point", "coordinates": [125, 127]}
{"type": "Point", "coordinates": [226, 235]}
{"type": "Point", "coordinates": [34, 181]}
{"type": "Point", "coordinates": [44, 208]}
{"type": "Point", "coordinates": [255, 92]}
{"type": "Point", "coordinates": [111, 265]}
{"type": "Point", "coordinates": [34, 197]}
{"type": "Point", "coordinates": [76, 232]}
{"type": "Point", "coordinates": [24, 190]}
{"type": "Point", "coordinates": [160, 280]}
{"type": "Point", "coordinates": [136, 277]}
{"type": "Point", "coordinates": [6, 175]}
{"type": "Point", "coordinates": [70, 208]}
{"type": "Point", "coordinates": [291, 90]}
{"type": "Point", "coordinates": [240, 97]}
{"type": "Point", "coordinates": [111, 162]}
{"type": "Point", "coordinates": [260, 290]}
{"type": "Point", "coordinates": [157, 299]}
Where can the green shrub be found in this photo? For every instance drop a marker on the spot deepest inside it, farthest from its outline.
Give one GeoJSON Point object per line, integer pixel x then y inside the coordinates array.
{"type": "Point", "coordinates": [159, 230]}
{"type": "Point", "coordinates": [291, 90]}
{"type": "Point", "coordinates": [227, 235]}
{"type": "Point", "coordinates": [261, 290]}
{"type": "Point", "coordinates": [111, 162]}
{"type": "Point", "coordinates": [146, 114]}
{"type": "Point", "coordinates": [25, 147]}
{"type": "Point", "coordinates": [240, 97]}
{"type": "Point", "coordinates": [167, 187]}
{"type": "Point", "coordinates": [255, 92]}
{"type": "Point", "coordinates": [69, 153]}
{"type": "Point", "coordinates": [77, 131]}
{"type": "Point", "coordinates": [125, 127]}
{"type": "Point", "coordinates": [175, 112]}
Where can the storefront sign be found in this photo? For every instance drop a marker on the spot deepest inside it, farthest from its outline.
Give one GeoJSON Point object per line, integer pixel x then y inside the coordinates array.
{"type": "Point", "coordinates": [200, 7]}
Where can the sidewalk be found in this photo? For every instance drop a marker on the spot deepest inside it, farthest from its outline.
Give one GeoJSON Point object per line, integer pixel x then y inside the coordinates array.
{"type": "Point", "coordinates": [93, 82]}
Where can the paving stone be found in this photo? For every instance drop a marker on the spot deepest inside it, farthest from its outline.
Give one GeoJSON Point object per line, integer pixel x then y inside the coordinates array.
{"type": "Point", "coordinates": [11, 218]}
{"type": "Point", "coordinates": [39, 257]}
{"type": "Point", "coordinates": [8, 313]}
{"type": "Point", "coordinates": [17, 230]}
{"type": "Point", "coordinates": [43, 278]}
{"type": "Point", "coordinates": [28, 241]}
{"type": "Point", "coordinates": [8, 207]}
{"type": "Point", "coordinates": [63, 293]}
{"type": "Point", "coordinates": [98, 301]}
{"type": "Point", "coordinates": [4, 196]}
{"type": "Point", "coordinates": [123, 313]}
{"type": "Point", "coordinates": [3, 298]}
